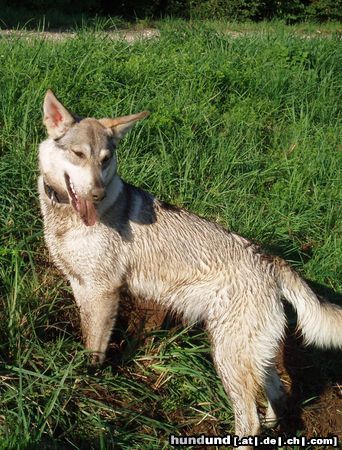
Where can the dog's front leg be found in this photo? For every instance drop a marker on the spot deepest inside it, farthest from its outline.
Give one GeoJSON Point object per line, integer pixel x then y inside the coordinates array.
{"type": "Point", "coordinates": [98, 311]}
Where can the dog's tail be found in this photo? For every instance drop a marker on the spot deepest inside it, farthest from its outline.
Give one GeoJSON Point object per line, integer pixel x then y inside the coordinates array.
{"type": "Point", "coordinates": [320, 322]}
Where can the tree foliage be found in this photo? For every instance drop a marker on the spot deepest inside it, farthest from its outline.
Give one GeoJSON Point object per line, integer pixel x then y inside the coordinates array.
{"type": "Point", "coordinates": [239, 10]}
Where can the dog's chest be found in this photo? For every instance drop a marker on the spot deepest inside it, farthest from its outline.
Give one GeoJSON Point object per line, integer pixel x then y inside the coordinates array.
{"type": "Point", "coordinates": [81, 252]}
{"type": "Point", "coordinates": [83, 247]}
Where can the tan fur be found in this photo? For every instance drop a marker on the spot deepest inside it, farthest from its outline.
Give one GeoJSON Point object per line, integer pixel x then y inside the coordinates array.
{"type": "Point", "coordinates": [183, 262]}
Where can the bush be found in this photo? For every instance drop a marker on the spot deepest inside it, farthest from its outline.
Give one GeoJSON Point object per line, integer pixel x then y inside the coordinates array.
{"type": "Point", "coordinates": [325, 10]}
{"type": "Point", "coordinates": [230, 9]}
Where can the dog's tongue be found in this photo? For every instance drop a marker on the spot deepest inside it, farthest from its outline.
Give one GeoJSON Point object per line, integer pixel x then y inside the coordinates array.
{"type": "Point", "coordinates": [86, 211]}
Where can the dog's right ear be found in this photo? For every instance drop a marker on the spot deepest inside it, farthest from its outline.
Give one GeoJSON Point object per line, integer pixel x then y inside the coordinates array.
{"type": "Point", "coordinates": [57, 118]}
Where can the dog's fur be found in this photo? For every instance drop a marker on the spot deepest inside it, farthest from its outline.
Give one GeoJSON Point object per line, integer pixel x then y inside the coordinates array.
{"type": "Point", "coordinates": [112, 236]}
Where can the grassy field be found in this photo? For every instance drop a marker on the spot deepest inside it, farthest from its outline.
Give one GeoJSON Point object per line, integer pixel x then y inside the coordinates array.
{"type": "Point", "coordinates": [245, 131]}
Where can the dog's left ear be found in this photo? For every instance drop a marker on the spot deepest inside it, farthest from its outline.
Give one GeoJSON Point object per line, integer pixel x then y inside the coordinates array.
{"type": "Point", "coordinates": [57, 118]}
{"type": "Point", "coordinates": [121, 125]}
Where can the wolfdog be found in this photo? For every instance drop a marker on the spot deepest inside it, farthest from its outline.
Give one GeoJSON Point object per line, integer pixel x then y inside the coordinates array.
{"type": "Point", "coordinates": [108, 237]}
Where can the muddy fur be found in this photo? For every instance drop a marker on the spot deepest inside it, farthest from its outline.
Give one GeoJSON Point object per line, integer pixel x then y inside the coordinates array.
{"type": "Point", "coordinates": [111, 236]}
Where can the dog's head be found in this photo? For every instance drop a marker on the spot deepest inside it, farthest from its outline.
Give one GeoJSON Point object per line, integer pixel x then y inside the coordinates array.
{"type": "Point", "coordinates": [79, 159]}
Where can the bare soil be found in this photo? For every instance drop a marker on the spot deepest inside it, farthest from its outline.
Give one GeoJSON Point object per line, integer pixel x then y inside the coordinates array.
{"type": "Point", "coordinates": [131, 35]}
{"type": "Point", "coordinates": [125, 35]}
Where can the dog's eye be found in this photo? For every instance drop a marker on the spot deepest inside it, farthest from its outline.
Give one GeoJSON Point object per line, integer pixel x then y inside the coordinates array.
{"type": "Point", "coordinates": [105, 159]}
{"type": "Point", "coordinates": [79, 154]}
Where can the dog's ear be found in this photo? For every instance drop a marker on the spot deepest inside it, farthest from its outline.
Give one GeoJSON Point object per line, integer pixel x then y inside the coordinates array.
{"type": "Point", "coordinates": [57, 118]}
{"type": "Point", "coordinates": [121, 125]}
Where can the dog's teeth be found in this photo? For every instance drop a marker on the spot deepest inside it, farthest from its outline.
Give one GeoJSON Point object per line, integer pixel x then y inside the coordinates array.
{"type": "Point", "coordinates": [72, 188]}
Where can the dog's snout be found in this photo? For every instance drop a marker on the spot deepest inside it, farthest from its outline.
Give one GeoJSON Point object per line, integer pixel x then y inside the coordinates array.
{"type": "Point", "coordinates": [98, 194]}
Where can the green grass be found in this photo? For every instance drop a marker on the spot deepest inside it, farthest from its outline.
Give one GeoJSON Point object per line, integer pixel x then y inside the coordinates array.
{"type": "Point", "coordinates": [244, 130]}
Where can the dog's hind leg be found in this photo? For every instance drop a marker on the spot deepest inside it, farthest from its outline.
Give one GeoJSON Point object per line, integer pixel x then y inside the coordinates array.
{"type": "Point", "coordinates": [245, 335]}
{"type": "Point", "coordinates": [275, 397]}
{"type": "Point", "coordinates": [98, 311]}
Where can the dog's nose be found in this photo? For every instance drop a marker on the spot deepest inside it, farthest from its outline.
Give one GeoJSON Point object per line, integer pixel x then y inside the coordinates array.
{"type": "Point", "coordinates": [98, 194]}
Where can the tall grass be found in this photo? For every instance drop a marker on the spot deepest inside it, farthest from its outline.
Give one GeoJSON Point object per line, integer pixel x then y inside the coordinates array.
{"type": "Point", "coordinates": [244, 130]}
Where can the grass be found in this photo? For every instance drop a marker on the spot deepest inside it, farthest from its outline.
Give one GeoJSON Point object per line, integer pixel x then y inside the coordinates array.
{"type": "Point", "coordinates": [244, 130]}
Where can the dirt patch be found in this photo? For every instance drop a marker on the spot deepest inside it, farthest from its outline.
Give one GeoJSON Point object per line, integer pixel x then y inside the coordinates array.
{"type": "Point", "coordinates": [144, 34]}
{"type": "Point", "coordinates": [120, 35]}
{"type": "Point", "coordinates": [315, 34]}
{"type": "Point", "coordinates": [313, 381]}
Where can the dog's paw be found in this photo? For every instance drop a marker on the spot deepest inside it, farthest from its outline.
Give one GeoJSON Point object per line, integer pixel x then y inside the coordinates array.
{"type": "Point", "coordinates": [95, 360]}
{"type": "Point", "coordinates": [269, 421]}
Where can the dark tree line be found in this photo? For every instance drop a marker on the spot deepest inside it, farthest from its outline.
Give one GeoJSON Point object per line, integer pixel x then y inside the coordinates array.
{"type": "Point", "coordinates": [290, 10]}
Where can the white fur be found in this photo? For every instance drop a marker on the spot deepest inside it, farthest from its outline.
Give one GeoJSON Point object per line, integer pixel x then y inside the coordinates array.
{"type": "Point", "coordinates": [187, 264]}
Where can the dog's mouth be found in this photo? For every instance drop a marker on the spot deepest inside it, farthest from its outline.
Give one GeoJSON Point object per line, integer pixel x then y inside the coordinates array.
{"type": "Point", "coordinates": [82, 206]}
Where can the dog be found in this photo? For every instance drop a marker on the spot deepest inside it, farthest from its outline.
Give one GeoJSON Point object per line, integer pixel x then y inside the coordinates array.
{"type": "Point", "coordinates": [109, 237]}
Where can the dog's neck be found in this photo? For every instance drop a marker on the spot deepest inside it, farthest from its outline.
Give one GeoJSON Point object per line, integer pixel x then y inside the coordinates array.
{"type": "Point", "coordinates": [55, 196]}
{"type": "Point", "coordinates": [113, 191]}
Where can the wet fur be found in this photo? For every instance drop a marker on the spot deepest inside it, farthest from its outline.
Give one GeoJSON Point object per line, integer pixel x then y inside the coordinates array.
{"type": "Point", "coordinates": [187, 264]}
